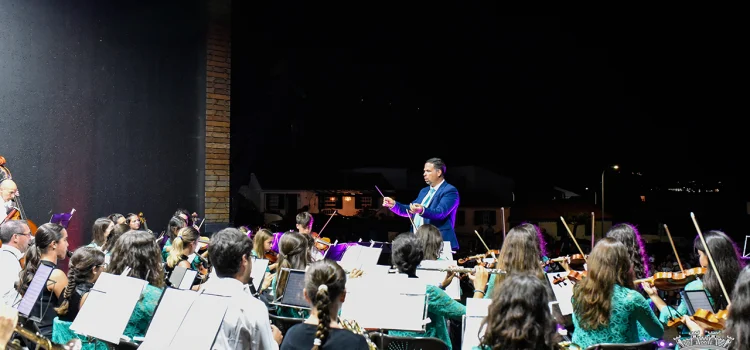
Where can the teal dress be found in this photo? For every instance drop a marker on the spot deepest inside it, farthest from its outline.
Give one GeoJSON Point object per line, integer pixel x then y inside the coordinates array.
{"type": "Point", "coordinates": [628, 309]}
{"type": "Point", "coordinates": [143, 312]}
{"type": "Point", "coordinates": [666, 313]}
{"type": "Point", "coordinates": [440, 307]}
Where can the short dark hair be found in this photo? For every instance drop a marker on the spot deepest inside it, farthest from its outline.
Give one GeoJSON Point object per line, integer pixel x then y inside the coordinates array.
{"type": "Point", "coordinates": [10, 228]}
{"type": "Point", "coordinates": [406, 253]}
{"type": "Point", "coordinates": [226, 250]}
{"type": "Point", "coordinates": [305, 219]}
{"type": "Point", "coordinates": [438, 164]}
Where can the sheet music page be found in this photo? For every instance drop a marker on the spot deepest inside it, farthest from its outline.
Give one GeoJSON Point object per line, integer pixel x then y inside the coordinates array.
{"type": "Point", "coordinates": [118, 297]}
{"type": "Point", "coordinates": [168, 317]}
{"type": "Point", "coordinates": [477, 307]}
{"type": "Point", "coordinates": [563, 292]}
{"type": "Point", "coordinates": [436, 277]}
{"type": "Point", "coordinates": [447, 253]}
{"type": "Point", "coordinates": [38, 283]}
{"type": "Point", "coordinates": [397, 295]}
{"type": "Point", "coordinates": [202, 322]}
{"type": "Point", "coordinates": [368, 257]}
{"type": "Point", "coordinates": [471, 336]}
{"type": "Point", "coordinates": [177, 276]}
{"type": "Point", "coordinates": [351, 257]}
{"type": "Point", "coordinates": [258, 272]}
{"type": "Point", "coordinates": [187, 279]}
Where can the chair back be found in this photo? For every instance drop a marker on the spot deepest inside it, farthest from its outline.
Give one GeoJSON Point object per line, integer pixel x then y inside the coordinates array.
{"type": "Point", "coordinates": [389, 342]}
{"type": "Point", "coordinates": [646, 345]}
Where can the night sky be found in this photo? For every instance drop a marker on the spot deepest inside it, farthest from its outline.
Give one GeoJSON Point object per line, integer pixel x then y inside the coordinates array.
{"type": "Point", "coordinates": [531, 97]}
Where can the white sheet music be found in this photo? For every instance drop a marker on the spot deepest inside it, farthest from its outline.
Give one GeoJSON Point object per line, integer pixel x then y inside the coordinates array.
{"type": "Point", "coordinates": [202, 322]}
{"type": "Point", "coordinates": [447, 253]}
{"type": "Point", "coordinates": [360, 257]}
{"type": "Point", "coordinates": [477, 307]}
{"type": "Point", "coordinates": [38, 283]}
{"type": "Point", "coordinates": [113, 297]}
{"type": "Point", "coordinates": [258, 272]}
{"type": "Point", "coordinates": [375, 307]}
{"type": "Point", "coordinates": [563, 292]}
{"type": "Point", "coordinates": [187, 279]}
{"type": "Point", "coordinates": [436, 277]}
{"type": "Point", "coordinates": [168, 317]}
{"type": "Point", "coordinates": [476, 311]}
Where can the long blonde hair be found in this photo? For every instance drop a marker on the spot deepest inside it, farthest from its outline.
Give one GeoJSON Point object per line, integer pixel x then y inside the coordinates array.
{"type": "Point", "coordinates": [185, 237]}
{"type": "Point", "coordinates": [259, 242]}
{"type": "Point", "coordinates": [608, 264]}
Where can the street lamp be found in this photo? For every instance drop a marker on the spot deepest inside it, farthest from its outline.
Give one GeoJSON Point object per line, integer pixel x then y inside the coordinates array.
{"type": "Point", "coordinates": [615, 167]}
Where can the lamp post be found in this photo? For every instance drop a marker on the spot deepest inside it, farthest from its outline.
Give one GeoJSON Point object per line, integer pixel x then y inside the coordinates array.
{"type": "Point", "coordinates": [615, 167]}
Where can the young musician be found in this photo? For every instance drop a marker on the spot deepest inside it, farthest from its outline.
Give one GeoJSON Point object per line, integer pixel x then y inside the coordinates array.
{"type": "Point", "coordinates": [606, 309]}
{"type": "Point", "coordinates": [516, 321]}
{"type": "Point", "coordinates": [628, 235]}
{"type": "Point", "coordinates": [117, 218]}
{"type": "Point", "coordinates": [294, 253]}
{"type": "Point", "coordinates": [139, 251]}
{"type": "Point", "coordinates": [246, 324]}
{"type": "Point", "coordinates": [112, 239]}
{"type": "Point", "coordinates": [50, 245]}
{"type": "Point", "coordinates": [325, 289]}
{"type": "Point", "coordinates": [86, 264]}
{"type": "Point", "coordinates": [432, 241]}
{"type": "Point", "coordinates": [304, 226]}
{"type": "Point", "coordinates": [520, 253]}
{"type": "Point", "coordinates": [436, 204]}
{"type": "Point", "coordinates": [101, 230]}
{"type": "Point", "coordinates": [729, 264]}
{"type": "Point", "coordinates": [406, 255]}
{"type": "Point", "coordinates": [183, 245]}
{"type": "Point", "coordinates": [262, 243]}
{"type": "Point", "coordinates": [175, 225]}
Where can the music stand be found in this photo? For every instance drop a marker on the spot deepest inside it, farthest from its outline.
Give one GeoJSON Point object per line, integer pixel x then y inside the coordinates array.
{"type": "Point", "coordinates": [34, 292]}
{"type": "Point", "coordinates": [745, 253]}
{"type": "Point", "coordinates": [182, 277]}
{"type": "Point", "coordinates": [397, 295]}
{"type": "Point", "coordinates": [114, 296]}
{"type": "Point", "coordinates": [471, 325]}
{"type": "Point", "coordinates": [179, 314]}
{"type": "Point", "coordinates": [292, 292]}
{"type": "Point", "coordinates": [258, 273]}
{"type": "Point", "coordinates": [336, 252]}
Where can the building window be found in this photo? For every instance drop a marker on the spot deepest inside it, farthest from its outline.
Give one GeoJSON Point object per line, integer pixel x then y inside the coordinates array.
{"type": "Point", "coordinates": [643, 198]}
{"type": "Point", "coordinates": [330, 202]}
{"type": "Point", "coordinates": [273, 202]}
{"type": "Point", "coordinates": [485, 217]}
{"type": "Point", "coordinates": [366, 202]}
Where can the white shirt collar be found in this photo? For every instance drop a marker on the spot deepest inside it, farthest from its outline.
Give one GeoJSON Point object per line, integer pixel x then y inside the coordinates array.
{"type": "Point", "coordinates": [436, 187]}
{"type": "Point", "coordinates": [17, 253]}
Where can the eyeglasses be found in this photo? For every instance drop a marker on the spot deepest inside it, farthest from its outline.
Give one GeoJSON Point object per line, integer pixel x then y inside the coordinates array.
{"type": "Point", "coordinates": [24, 234]}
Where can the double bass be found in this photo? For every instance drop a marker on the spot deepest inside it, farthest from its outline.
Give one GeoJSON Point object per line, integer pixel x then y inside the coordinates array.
{"type": "Point", "coordinates": [16, 212]}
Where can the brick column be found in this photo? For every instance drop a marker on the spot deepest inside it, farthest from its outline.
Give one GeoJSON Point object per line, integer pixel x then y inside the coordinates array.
{"type": "Point", "coordinates": [218, 96]}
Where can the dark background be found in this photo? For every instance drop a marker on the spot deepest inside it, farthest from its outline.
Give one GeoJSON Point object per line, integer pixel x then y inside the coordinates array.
{"type": "Point", "coordinates": [102, 107]}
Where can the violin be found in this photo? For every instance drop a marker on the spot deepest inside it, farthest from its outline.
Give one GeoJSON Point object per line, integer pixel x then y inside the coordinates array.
{"type": "Point", "coordinates": [143, 222]}
{"type": "Point", "coordinates": [272, 257]}
{"type": "Point", "coordinates": [575, 276]}
{"type": "Point", "coordinates": [479, 257]}
{"type": "Point", "coordinates": [321, 243]}
{"type": "Point", "coordinates": [669, 281]}
{"type": "Point", "coordinates": [706, 319]}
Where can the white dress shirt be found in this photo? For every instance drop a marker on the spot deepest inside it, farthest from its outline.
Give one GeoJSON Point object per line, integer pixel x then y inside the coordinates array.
{"type": "Point", "coordinates": [10, 267]}
{"type": "Point", "coordinates": [246, 324]}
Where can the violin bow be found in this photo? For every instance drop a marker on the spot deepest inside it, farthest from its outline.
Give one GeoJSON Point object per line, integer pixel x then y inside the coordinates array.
{"type": "Point", "coordinates": [593, 230]}
{"type": "Point", "coordinates": [573, 237]}
{"type": "Point", "coordinates": [329, 220]}
{"type": "Point", "coordinates": [711, 258]}
{"type": "Point", "coordinates": [502, 213]}
{"type": "Point", "coordinates": [485, 245]}
{"type": "Point", "coordinates": [674, 249]}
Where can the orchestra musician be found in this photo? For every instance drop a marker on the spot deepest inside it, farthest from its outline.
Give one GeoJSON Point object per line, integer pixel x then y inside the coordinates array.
{"type": "Point", "coordinates": [8, 190]}
{"type": "Point", "coordinates": [628, 235]}
{"type": "Point", "coordinates": [516, 321]}
{"type": "Point", "coordinates": [728, 263]}
{"type": "Point", "coordinates": [606, 308]}
{"type": "Point", "coordinates": [436, 204]}
{"type": "Point", "coordinates": [520, 253]}
{"type": "Point", "coordinates": [304, 226]}
{"type": "Point", "coordinates": [15, 236]}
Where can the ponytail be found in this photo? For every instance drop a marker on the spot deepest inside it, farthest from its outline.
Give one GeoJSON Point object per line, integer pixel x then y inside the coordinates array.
{"type": "Point", "coordinates": [33, 257]}
{"type": "Point", "coordinates": [185, 236]}
{"type": "Point", "coordinates": [322, 304]}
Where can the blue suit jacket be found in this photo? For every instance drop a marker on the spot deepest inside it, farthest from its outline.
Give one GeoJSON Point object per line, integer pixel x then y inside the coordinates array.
{"type": "Point", "coordinates": [441, 213]}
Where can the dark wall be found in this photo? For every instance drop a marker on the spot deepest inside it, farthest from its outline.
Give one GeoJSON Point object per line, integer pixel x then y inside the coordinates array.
{"type": "Point", "coordinates": [102, 108]}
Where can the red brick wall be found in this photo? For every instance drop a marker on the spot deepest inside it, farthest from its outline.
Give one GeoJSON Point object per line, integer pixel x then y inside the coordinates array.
{"type": "Point", "coordinates": [218, 97]}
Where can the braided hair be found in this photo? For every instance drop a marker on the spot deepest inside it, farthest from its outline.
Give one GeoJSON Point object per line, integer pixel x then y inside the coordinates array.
{"type": "Point", "coordinates": [325, 281]}
{"type": "Point", "coordinates": [82, 265]}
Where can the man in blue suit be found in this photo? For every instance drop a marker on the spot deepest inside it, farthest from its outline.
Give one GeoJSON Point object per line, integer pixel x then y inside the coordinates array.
{"type": "Point", "coordinates": [436, 204]}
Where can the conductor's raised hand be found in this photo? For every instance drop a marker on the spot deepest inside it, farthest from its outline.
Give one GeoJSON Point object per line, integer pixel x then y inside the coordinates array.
{"type": "Point", "coordinates": [416, 208]}
{"type": "Point", "coordinates": [388, 202]}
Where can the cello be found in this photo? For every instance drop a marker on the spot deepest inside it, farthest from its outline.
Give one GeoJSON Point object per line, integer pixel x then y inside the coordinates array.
{"type": "Point", "coordinates": [17, 212]}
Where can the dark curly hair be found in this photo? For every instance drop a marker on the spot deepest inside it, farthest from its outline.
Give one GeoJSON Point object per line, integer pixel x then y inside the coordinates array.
{"type": "Point", "coordinates": [407, 253]}
{"type": "Point", "coordinates": [516, 321]}
{"type": "Point", "coordinates": [139, 251]}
